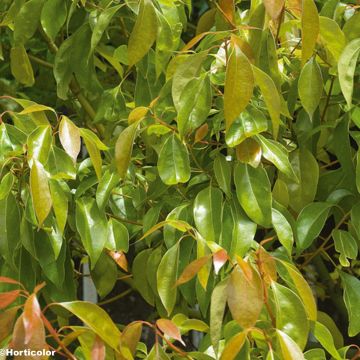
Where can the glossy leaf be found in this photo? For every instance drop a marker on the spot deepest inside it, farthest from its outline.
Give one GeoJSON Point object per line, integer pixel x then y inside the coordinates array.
{"type": "Point", "coordinates": [173, 163]}
{"type": "Point", "coordinates": [222, 170]}
{"type": "Point", "coordinates": [310, 29]}
{"type": "Point", "coordinates": [169, 329]}
{"type": "Point", "coordinates": [346, 245]}
{"type": "Point", "coordinates": [69, 136]}
{"type": "Point", "coordinates": [289, 349]}
{"type": "Point", "coordinates": [324, 336]}
{"type": "Point", "coordinates": [53, 17]}
{"type": "Point", "coordinates": [6, 185]}
{"type": "Point", "coordinates": [233, 346]}
{"type": "Point", "coordinates": [20, 66]}
{"type": "Point", "coordinates": [283, 230]}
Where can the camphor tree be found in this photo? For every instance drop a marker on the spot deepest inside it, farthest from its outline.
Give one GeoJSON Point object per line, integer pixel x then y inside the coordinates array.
{"type": "Point", "coordinates": [204, 154]}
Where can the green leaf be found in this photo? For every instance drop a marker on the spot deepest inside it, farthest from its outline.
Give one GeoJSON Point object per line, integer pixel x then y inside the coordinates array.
{"type": "Point", "coordinates": [53, 17]}
{"type": "Point", "coordinates": [271, 97]}
{"type": "Point", "coordinates": [222, 170]}
{"type": "Point", "coordinates": [167, 274]}
{"type": "Point", "coordinates": [118, 236]}
{"type": "Point", "coordinates": [323, 335]}
{"type": "Point", "coordinates": [6, 185]}
{"type": "Point", "coordinates": [346, 68]}
{"type": "Point", "coordinates": [139, 270]}
{"type": "Point", "coordinates": [245, 296]}
{"type": "Point", "coordinates": [39, 143]}
{"type": "Point", "coordinates": [250, 122]}
{"type": "Point", "coordinates": [352, 301]}
{"type": "Point", "coordinates": [101, 24]}
{"type": "Point", "coordinates": [40, 192]}
{"type": "Point", "coordinates": [20, 66]}
{"type": "Point", "coordinates": [346, 245]}
{"type": "Point", "coordinates": [277, 154]}
{"type": "Point", "coordinates": [283, 230]}
{"type": "Point", "coordinates": [310, 29]}
{"type": "Point", "coordinates": [239, 84]}
{"type": "Point", "coordinates": [332, 37]}
{"type": "Point", "coordinates": [69, 135]}
{"type": "Point", "coordinates": [217, 310]}
{"type": "Point", "coordinates": [144, 32]}
{"type": "Point", "coordinates": [249, 152]}
{"type": "Point", "coordinates": [194, 104]}
{"type": "Point", "coordinates": [26, 21]}
{"type": "Point", "coordinates": [310, 86]}
{"type": "Point", "coordinates": [96, 319]}
{"type": "Point", "coordinates": [207, 213]}
{"type": "Point", "coordinates": [289, 349]}
{"type": "Point", "coordinates": [123, 148]}
{"type": "Point", "coordinates": [306, 169]}
{"type": "Point", "coordinates": [303, 289]}
{"type": "Point", "coordinates": [60, 204]}
{"type": "Point", "coordinates": [290, 314]}
{"type": "Point", "coordinates": [315, 354]}
{"type": "Point", "coordinates": [103, 192]}
{"type": "Point", "coordinates": [92, 226]}
{"type": "Point", "coordinates": [173, 163]}
{"type": "Point", "coordinates": [254, 193]}
{"type": "Point", "coordinates": [351, 28]}
{"type": "Point", "coordinates": [310, 223]}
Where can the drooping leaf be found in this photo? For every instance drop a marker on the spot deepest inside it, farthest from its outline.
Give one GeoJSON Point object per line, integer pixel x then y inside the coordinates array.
{"type": "Point", "coordinates": [274, 8]}
{"type": "Point", "coordinates": [253, 192]}
{"type": "Point", "coordinates": [283, 230]}
{"type": "Point", "coordinates": [6, 185]}
{"type": "Point", "coordinates": [289, 349]}
{"type": "Point", "coordinates": [144, 32]}
{"type": "Point", "coordinates": [239, 84]}
{"type": "Point", "coordinates": [233, 346]}
{"type": "Point", "coordinates": [222, 170]}
{"type": "Point", "coordinates": [173, 163]}
{"type": "Point", "coordinates": [169, 329]}
{"type": "Point", "coordinates": [346, 245]}
{"type": "Point", "coordinates": [53, 17]}
{"type": "Point", "coordinates": [325, 338]}
{"type": "Point", "coordinates": [20, 66]}
{"type": "Point", "coordinates": [249, 152]}
{"type": "Point", "coordinates": [69, 135]}
{"type": "Point", "coordinates": [310, 29]}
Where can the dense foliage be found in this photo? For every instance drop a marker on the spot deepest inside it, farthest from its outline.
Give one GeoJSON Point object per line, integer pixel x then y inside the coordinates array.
{"type": "Point", "coordinates": [205, 154]}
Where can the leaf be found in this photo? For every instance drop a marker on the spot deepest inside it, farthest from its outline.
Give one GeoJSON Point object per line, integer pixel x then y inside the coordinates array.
{"type": "Point", "coordinates": [352, 301]}
{"type": "Point", "coordinates": [283, 230]}
{"type": "Point", "coordinates": [7, 319]}
{"type": "Point", "coordinates": [249, 152]}
{"type": "Point", "coordinates": [290, 314]}
{"type": "Point", "coordinates": [306, 169]}
{"type": "Point", "coordinates": [245, 296]}
{"type": "Point", "coordinates": [346, 68]}
{"type": "Point", "coordinates": [271, 97]}
{"type": "Point", "coordinates": [346, 245]}
{"type": "Point", "coordinates": [131, 336]}
{"type": "Point", "coordinates": [310, 223]}
{"type": "Point", "coordinates": [118, 236]}
{"type": "Point", "coordinates": [325, 338]}
{"type": "Point", "coordinates": [20, 66]}
{"type": "Point", "coordinates": [254, 193]}
{"type": "Point", "coordinates": [169, 329]}
{"type": "Point", "coordinates": [96, 319]}
{"type": "Point", "coordinates": [222, 170]}
{"type": "Point", "coordinates": [39, 143]}
{"type": "Point", "coordinates": [6, 185]}
{"type": "Point", "coordinates": [207, 213]}
{"type": "Point", "coordinates": [303, 289]}
{"type": "Point", "coordinates": [351, 27]}
{"type": "Point", "coordinates": [144, 32]}
{"type": "Point", "coordinates": [69, 135]}
{"type": "Point", "coordinates": [60, 204]}
{"type": "Point", "coordinates": [40, 192]}
{"type": "Point", "coordinates": [124, 147]}
{"type": "Point", "coordinates": [101, 24]}
{"type": "Point", "coordinates": [233, 346]}
{"type": "Point", "coordinates": [310, 86]}
{"type": "Point", "coordinates": [98, 349]}
{"type": "Point", "coordinates": [194, 104]}
{"type": "Point", "coordinates": [8, 298]}
{"type": "Point", "coordinates": [239, 84]}
{"type": "Point", "coordinates": [92, 226]}
{"type": "Point", "coordinates": [53, 17]}
{"type": "Point", "coordinates": [32, 318]}
{"type": "Point", "coordinates": [192, 269]}
{"type": "Point", "coordinates": [289, 349]}
{"type": "Point", "coordinates": [274, 8]}
{"type": "Point", "coordinates": [219, 259]}
{"type": "Point", "coordinates": [173, 164]}
{"type": "Point", "coordinates": [217, 310]}
{"type": "Point", "coordinates": [278, 155]}
{"type": "Point", "coordinates": [250, 122]}
{"type": "Point", "coordinates": [310, 29]}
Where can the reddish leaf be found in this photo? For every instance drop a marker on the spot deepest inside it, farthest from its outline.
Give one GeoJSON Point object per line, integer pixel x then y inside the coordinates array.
{"type": "Point", "coordinates": [169, 329]}
{"type": "Point", "coordinates": [31, 317]}
{"type": "Point", "coordinates": [39, 287]}
{"type": "Point", "coordinates": [120, 259]}
{"type": "Point", "coordinates": [7, 320]}
{"type": "Point", "coordinates": [98, 349]}
{"type": "Point", "coordinates": [228, 9]}
{"type": "Point", "coordinates": [7, 280]}
{"type": "Point", "coordinates": [192, 269]}
{"type": "Point", "coordinates": [219, 259]}
{"type": "Point", "coordinates": [267, 266]}
{"type": "Point", "coordinates": [7, 298]}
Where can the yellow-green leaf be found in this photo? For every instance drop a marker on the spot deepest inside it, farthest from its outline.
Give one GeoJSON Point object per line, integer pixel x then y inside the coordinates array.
{"type": "Point", "coordinates": [310, 29]}
{"type": "Point", "coordinates": [274, 7]}
{"type": "Point", "coordinates": [69, 135]}
{"type": "Point", "coordinates": [239, 84]}
{"type": "Point", "coordinates": [40, 192]}
{"type": "Point", "coordinates": [233, 346]}
{"type": "Point", "coordinates": [20, 66]}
